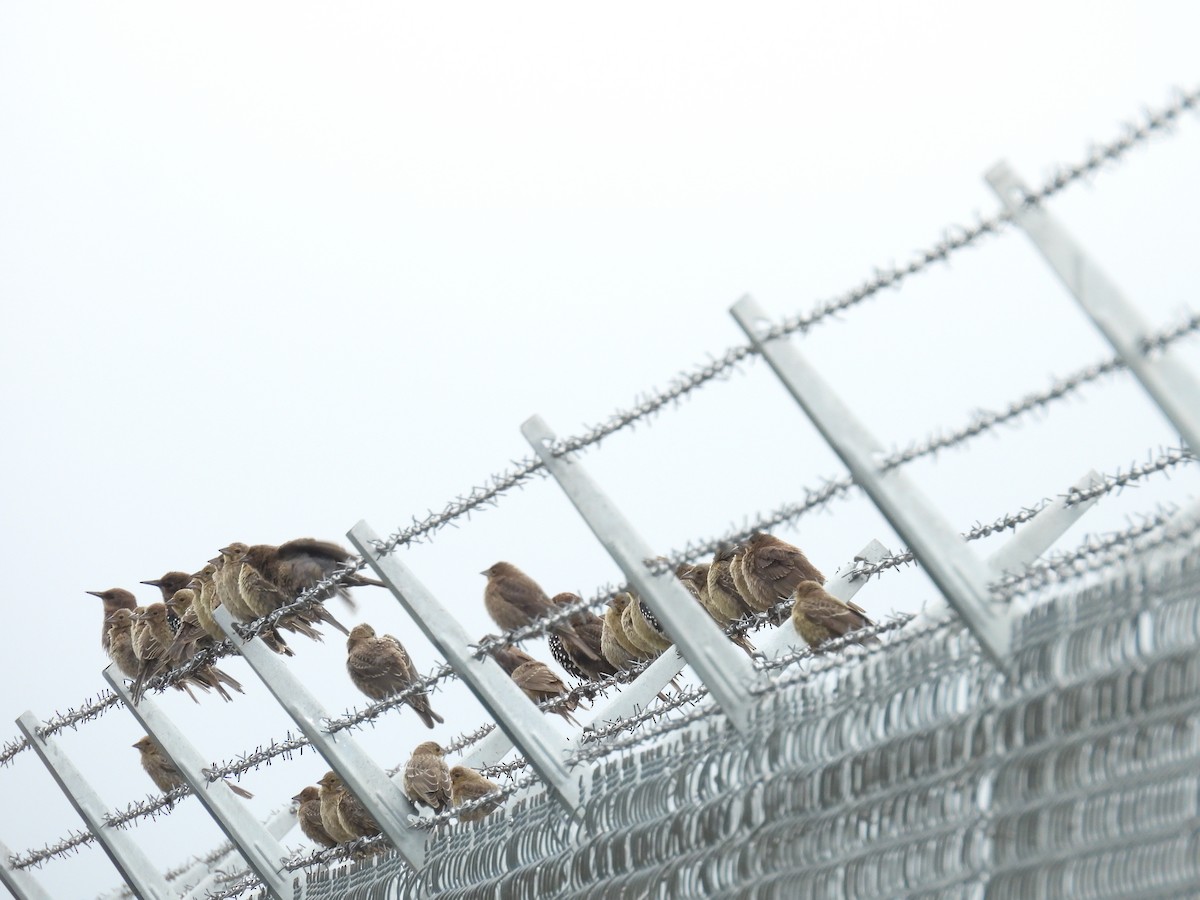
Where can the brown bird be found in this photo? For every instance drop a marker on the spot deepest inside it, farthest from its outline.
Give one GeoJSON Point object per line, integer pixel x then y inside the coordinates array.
{"type": "Point", "coordinates": [819, 616]}
{"type": "Point", "coordinates": [261, 580]}
{"type": "Point", "coordinates": [301, 563]}
{"type": "Point", "coordinates": [151, 637]}
{"type": "Point", "coordinates": [536, 679]}
{"type": "Point", "coordinates": [771, 569]}
{"type": "Point", "coordinates": [332, 794]}
{"type": "Point", "coordinates": [206, 601]}
{"type": "Point", "coordinates": [590, 628]}
{"type": "Point", "coordinates": [168, 585]}
{"type": "Point", "coordinates": [647, 629]}
{"type": "Point", "coordinates": [514, 600]}
{"type": "Point", "coordinates": [617, 648]}
{"type": "Point", "coordinates": [189, 636]}
{"type": "Point", "coordinates": [381, 667]}
{"type": "Point", "coordinates": [229, 595]}
{"type": "Point", "coordinates": [120, 642]}
{"type": "Point", "coordinates": [695, 579]}
{"type": "Point", "coordinates": [632, 636]}
{"type": "Point", "coordinates": [427, 777]}
{"type": "Point", "coordinates": [162, 771]}
{"type": "Point", "coordinates": [114, 599]}
{"type": "Point", "coordinates": [466, 785]}
{"type": "Point", "coordinates": [725, 602]}
{"type": "Point", "coordinates": [308, 812]}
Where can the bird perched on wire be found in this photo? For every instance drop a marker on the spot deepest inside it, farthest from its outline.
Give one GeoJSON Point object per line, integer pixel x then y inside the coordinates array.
{"type": "Point", "coordinates": [695, 580]}
{"type": "Point", "coordinates": [151, 636]}
{"type": "Point", "coordinates": [269, 579]}
{"type": "Point", "coordinates": [332, 795]}
{"type": "Point", "coordinates": [771, 569]}
{"type": "Point", "coordinates": [120, 642]}
{"type": "Point", "coordinates": [114, 599]}
{"type": "Point", "coordinates": [617, 648]}
{"type": "Point", "coordinates": [723, 600]}
{"type": "Point", "coordinates": [590, 628]}
{"type": "Point", "coordinates": [819, 616]}
{"type": "Point", "coordinates": [381, 667]}
{"type": "Point", "coordinates": [308, 813]}
{"type": "Point", "coordinates": [229, 595]}
{"type": "Point", "coordinates": [536, 679]}
{"type": "Point", "coordinates": [163, 772]}
{"type": "Point", "coordinates": [466, 785]}
{"type": "Point", "coordinates": [647, 630]}
{"type": "Point", "coordinates": [427, 777]}
{"type": "Point", "coordinates": [514, 600]}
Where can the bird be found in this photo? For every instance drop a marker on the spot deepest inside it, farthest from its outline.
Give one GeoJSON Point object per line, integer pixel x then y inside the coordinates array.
{"type": "Point", "coordinates": [590, 628]}
{"type": "Point", "coordinates": [168, 585]}
{"type": "Point", "coordinates": [120, 642]}
{"type": "Point", "coordinates": [695, 580]}
{"type": "Point", "coordinates": [308, 812]}
{"type": "Point", "coordinates": [303, 562]}
{"type": "Point", "coordinates": [514, 600]}
{"type": "Point", "coordinates": [536, 679]}
{"type": "Point", "coordinates": [206, 601]}
{"type": "Point", "coordinates": [229, 595]}
{"type": "Point", "coordinates": [427, 777]}
{"type": "Point", "coordinates": [771, 569]}
{"type": "Point", "coordinates": [617, 648]}
{"type": "Point", "coordinates": [646, 627]}
{"type": "Point", "coordinates": [151, 637]}
{"type": "Point", "coordinates": [819, 616]}
{"type": "Point", "coordinates": [649, 649]}
{"type": "Point", "coordinates": [381, 667]}
{"type": "Point", "coordinates": [466, 785]}
{"type": "Point", "coordinates": [332, 793]}
{"type": "Point", "coordinates": [163, 772]}
{"type": "Point", "coordinates": [114, 599]}
{"type": "Point", "coordinates": [725, 602]}
{"type": "Point", "coordinates": [259, 579]}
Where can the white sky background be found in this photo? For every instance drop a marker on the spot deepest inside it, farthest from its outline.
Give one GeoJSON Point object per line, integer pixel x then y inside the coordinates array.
{"type": "Point", "coordinates": [269, 270]}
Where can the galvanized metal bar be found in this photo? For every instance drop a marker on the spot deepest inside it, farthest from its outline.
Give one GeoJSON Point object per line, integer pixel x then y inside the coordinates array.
{"type": "Point", "coordinates": [960, 576]}
{"type": "Point", "coordinates": [382, 799]}
{"type": "Point", "coordinates": [724, 669]}
{"type": "Point", "coordinates": [134, 866]}
{"type": "Point", "coordinates": [1170, 384]}
{"type": "Point", "coordinates": [842, 585]}
{"type": "Point", "coordinates": [523, 723]}
{"type": "Point", "coordinates": [1035, 537]}
{"type": "Point", "coordinates": [261, 851]}
{"type": "Point", "coordinates": [20, 884]}
{"type": "Point", "coordinates": [491, 749]}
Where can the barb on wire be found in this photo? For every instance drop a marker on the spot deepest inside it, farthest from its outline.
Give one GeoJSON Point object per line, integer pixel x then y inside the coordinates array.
{"type": "Point", "coordinates": [1166, 459]}
{"type": "Point", "coordinates": [501, 793]}
{"type": "Point", "coordinates": [1158, 342]}
{"type": "Point", "coordinates": [498, 770]}
{"type": "Point", "coordinates": [245, 881]}
{"type": "Point", "coordinates": [593, 733]}
{"type": "Point", "coordinates": [1099, 552]}
{"type": "Point", "coordinates": [356, 716]}
{"type": "Point", "coordinates": [59, 849]}
{"type": "Point", "coordinates": [597, 748]}
{"type": "Point", "coordinates": [954, 238]}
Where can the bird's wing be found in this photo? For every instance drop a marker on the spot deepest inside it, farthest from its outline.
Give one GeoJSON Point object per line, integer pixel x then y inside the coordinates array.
{"type": "Point", "coordinates": [536, 676]}
{"type": "Point", "coordinates": [523, 594]}
{"type": "Point", "coordinates": [313, 547]}
{"type": "Point", "coordinates": [429, 780]}
{"type": "Point", "coordinates": [831, 613]}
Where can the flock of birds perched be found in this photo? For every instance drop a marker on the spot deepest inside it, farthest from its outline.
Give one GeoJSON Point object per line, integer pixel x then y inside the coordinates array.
{"type": "Point", "coordinates": [743, 584]}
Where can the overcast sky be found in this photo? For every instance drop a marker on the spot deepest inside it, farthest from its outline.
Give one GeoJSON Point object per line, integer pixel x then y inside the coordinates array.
{"type": "Point", "coordinates": [272, 269]}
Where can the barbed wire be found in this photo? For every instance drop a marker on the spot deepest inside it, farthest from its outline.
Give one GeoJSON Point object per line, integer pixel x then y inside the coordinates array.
{"type": "Point", "coordinates": [291, 745]}
{"type": "Point", "coordinates": [640, 735]}
{"type": "Point", "coordinates": [955, 238]}
{"type": "Point", "coordinates": [1098, 552]}
{"type": "Point", "coordinates": [59, 849]}
{"type": "Point", "coordinates": [1158, 342]}
{"type": "Point", "coordinates": [87, 711]}
{"type": "Point", "coordinates": [1167, 459]}
{"type": "Point", "coordinates": [543, 625]}
{"type": "Point", "coordinates": [798, 654]}
{"type": "Point", "coordinates": [246, 881]}
{"type": "Point", "coordinates": [148, 808]}
{"type": "Point", "coordinates": [981, 421]}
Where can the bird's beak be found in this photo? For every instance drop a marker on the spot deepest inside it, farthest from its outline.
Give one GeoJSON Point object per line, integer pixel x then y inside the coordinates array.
{"type": "Point", "coordinates": [484, 572]}
{"type": "Point", "coordinates": [156, 583]}
{"type": "Point", "coordinates": [215, 560]}
{"type": "Point", "coordinates": [99, 594]}
{"type": "Point", "coordinates": [297, 798]}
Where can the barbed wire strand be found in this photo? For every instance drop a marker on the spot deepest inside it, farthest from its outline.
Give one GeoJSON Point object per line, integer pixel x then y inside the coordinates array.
{"type": "Point", "coordinates": [955, 238]}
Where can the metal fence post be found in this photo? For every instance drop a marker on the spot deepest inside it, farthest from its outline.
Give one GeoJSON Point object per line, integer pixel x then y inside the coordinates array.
{"type": "Point", "coordinates": [1170, 384]}
{"type": "Point", "coordinates": [516, 716]}
{"type": "Point", "coordinates": [278, 826]}
{"type": "Point", "coordinates": [134, 866]}
{"type": "Point", "coordinates": [262, 852]}
{"type": "Point", "coordinates": [382, 799]}
{"type": "Point", "coordinates": [724, 669]}
{"type": "Point", "coordinates": [20, 883]}
{"type": "Point", "coordinates": [960, 576]}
